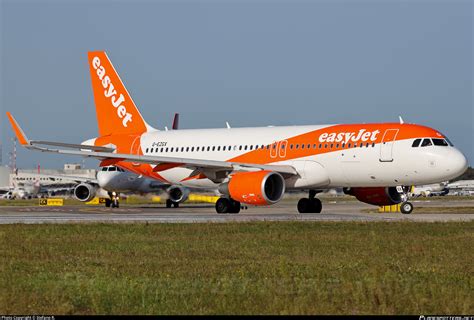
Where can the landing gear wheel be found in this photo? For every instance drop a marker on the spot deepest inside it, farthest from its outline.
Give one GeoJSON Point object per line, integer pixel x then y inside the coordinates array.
{"type": "Point", "coordinates": [406, 208]}
{"type": "Point", "coordinates": [169, 203]}
{"type": "Point", "coordinates": [176, 204]}
{"type": "Point", "coordinates": [316, 205]}
{"type": "Point", "coordinates": [115, 203]}
{"type": "Point", "coordinates": [108, 202]}
{"type": "Point", "coordinates": [306, 205]}
{"type": "Point", "coordinates": [223, 205]}
{"type": "Point", "coordinates": [235, 206]}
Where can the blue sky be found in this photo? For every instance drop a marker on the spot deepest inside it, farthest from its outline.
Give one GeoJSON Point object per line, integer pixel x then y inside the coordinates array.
{"type": "Point", "coordinates": [252, 63]}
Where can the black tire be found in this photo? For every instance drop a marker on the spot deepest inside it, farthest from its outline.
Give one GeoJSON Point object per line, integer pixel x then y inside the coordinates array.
{"type": "Point", "coordinates": [223, 205]}
{"type": "Point", "coordinates": [316, 205]}
{"type": "Point", "coordinates": [169, 203]}
{"type": "Point", "coordinates": [304, 205]}
{"type": "Point", "coordinates": [176, 204]}
{"type": "Point", "coordinates": [235, 207]}
{"type": "Point", "coordinates": [108, 202]}
{"type": "Point", "coordinates": [406, 208]}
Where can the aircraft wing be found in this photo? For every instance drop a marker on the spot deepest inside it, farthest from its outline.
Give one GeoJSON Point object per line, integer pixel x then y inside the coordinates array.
{"type": "Point", "coordinates": [108, 154]}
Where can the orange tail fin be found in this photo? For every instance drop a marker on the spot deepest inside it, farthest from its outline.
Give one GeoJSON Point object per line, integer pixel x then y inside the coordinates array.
{"type": "Point", "coordinates": [116, 111]}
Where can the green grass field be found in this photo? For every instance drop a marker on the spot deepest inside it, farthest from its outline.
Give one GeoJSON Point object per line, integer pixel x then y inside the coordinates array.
{"type": "Point", "coordinates": [234, 268]}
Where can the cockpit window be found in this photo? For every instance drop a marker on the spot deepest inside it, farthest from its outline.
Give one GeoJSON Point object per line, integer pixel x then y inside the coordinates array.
{"type": "Point", "coordinates": [426, 142]}
{"type": "Point", "coordinates": [447, 140]}
{"type": "Point", "coordinates": [440, 142]}
{"type": "Point", "coordinates": [416, 143]}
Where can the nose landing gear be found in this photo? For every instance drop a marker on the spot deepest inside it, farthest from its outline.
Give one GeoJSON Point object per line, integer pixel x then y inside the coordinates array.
{"type": "Point", "coordinates": [310, 204]}
{"type": "Point", "coordinates": [113, 201]}
{"type": "Point", "coordinates": [406, 208]}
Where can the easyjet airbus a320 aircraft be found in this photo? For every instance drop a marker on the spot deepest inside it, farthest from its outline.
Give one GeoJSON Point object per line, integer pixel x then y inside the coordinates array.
{"type": "Point", "coordinates": [372, 162]}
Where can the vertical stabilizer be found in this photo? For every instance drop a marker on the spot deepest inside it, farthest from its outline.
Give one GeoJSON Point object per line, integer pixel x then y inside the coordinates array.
{"type": "Point", "coordinates": [116, 111]}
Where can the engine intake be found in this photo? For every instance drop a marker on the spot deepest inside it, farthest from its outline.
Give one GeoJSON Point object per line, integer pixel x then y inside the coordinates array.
{"type": "Point", "coordinates": [85, 192]}
{"type": "Point", "coordinates": [257, 188]}
{"type": "Point", "coordinates": [378, 196]}
{"type": "Point", "coordinates": [178, 194]}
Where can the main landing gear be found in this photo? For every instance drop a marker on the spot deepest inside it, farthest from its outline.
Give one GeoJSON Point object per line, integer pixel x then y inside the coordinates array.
{"type": "Point", "coordinates": [310, 204]}
{"type": "Point", "coordinates": [170, 203]}
{"type": "Point", "coordinates": [227, 205]}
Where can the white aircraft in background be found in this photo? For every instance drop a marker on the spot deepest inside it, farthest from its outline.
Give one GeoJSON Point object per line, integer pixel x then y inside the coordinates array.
{"type": "Point", "coordinates": [462, 187]}
{"type": "Point", "coordinates": [116, 180]}
{"type": "Point", "coordinates": [21, 192]}
{"type": "Point", "coordinates": [373, 162]}
{"type": "Point", "coordinates": [27, 188]}
{"type": "Point", "coordinates": [430, 190]}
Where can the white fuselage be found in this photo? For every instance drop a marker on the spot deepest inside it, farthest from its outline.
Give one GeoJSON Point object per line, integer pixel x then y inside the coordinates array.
{"type": "Point", "coordinates": [375, 163]}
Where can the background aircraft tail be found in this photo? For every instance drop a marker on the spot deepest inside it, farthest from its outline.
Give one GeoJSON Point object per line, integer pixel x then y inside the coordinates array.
{"type": "Point", "coordinates": [116, 111]}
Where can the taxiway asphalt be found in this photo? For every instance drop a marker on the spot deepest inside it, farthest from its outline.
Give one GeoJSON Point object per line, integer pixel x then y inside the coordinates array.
{"type": "Point", "coordinates": [195, 213]}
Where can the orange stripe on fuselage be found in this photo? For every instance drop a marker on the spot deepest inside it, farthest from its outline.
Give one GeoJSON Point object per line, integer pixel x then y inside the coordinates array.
{"type": "Point", "coordinates": [373, 132]}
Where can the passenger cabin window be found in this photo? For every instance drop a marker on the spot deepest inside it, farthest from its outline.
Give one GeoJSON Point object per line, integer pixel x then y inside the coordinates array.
{"type": "Point", "coordinates": [426, 142]}
{"type": "Point", "coordinates": [440, 142]}
{"type": "Point", "coordinates": [416, 143]}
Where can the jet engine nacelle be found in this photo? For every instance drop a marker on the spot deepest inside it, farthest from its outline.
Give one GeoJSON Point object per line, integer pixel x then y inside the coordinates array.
{"type": "Point", "coordinates": [256, 188]}
{"type": "Point", "coordinates": [379, 196]}
{"type": "Point", "coordinates": [84, 192]}
{"type": "Point", "coordinates": [178, 194]}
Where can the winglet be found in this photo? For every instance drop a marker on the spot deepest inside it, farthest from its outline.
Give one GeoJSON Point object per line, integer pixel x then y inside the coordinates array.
{"type": "Point", "coordinates": [21, 136]}
{"type": "Point", "coordinates": [401, 120]}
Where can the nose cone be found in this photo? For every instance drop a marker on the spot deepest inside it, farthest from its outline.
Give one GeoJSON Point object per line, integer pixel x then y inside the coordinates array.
{"type": "Point", "coordinates": [456, 163]}
{"type": "Point", "coordinates": [104, 179]}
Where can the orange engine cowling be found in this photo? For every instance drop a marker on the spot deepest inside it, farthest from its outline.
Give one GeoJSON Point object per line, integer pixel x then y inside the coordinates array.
{"type": "Point", "coordinates": [379, 196]}
{"type": "Point", "coordinates": [256, 188]}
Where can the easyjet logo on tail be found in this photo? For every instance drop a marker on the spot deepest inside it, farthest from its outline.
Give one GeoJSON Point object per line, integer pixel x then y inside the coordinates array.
{"type": "Point", "coordinates": [347, 137]}
{"type": "Point", "coordinates": [111, 93]}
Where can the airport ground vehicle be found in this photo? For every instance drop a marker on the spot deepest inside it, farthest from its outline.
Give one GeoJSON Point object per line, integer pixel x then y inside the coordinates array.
{"type": "Point", "coordinates": [254, 166]}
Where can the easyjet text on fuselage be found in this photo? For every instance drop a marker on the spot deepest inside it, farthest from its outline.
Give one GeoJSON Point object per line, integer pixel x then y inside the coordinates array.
{"type": "Point", "coordinates": [346, 137]}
